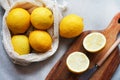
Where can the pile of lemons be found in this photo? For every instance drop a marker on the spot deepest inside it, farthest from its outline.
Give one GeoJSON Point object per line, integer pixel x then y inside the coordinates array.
{"type": "Point", "coordinates": [20, 20]}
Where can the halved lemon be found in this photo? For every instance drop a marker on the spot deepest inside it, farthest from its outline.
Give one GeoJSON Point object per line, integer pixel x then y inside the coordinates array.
{"type": "Point", "coordinates": [94, 42]}
{"type": "Point", "coordinates": [77, 62]}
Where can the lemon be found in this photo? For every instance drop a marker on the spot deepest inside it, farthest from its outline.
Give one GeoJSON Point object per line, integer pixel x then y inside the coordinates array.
{"type": "Point", "coordinates": [40, 41]}
{"type": "Point", "coordinates": [94, 42]}
{"type": "Point", "coordinates": [18, 20]}
{"type": "Point", "coordinates": [42, 18]}
{"type": "Point", "coordinates": [21, 44]}
{"type": "Point", "coordinates": [71, 26]}
{"type": "Point", "coordinates": [77, 62]}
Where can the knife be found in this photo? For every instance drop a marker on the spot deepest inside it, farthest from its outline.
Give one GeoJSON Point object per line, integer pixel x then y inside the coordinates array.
{"type": "Point", "coordinates": [88, 74]}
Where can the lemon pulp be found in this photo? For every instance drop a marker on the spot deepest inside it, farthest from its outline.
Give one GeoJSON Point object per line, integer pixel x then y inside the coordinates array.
{"type": "Point", "coordinates": [94, 42]}
{"type": "Point", "coordinates": [77, 62]}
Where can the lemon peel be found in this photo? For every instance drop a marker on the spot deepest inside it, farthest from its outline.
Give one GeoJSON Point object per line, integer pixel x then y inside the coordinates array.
{"type": "Point", "coordinates": [21, 44]}
{"type": "Point", "coordinates": [40, 41]}
{"type": "Point", "coordinates": [71, 26]}
{"type": "Point", "coordinates": [18, 20]}
{"type": "Point", "coordinates": [42, 18]}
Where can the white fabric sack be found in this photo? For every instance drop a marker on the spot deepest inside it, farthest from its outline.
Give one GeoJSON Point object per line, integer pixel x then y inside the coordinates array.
{"type": "Point", "coordinates": [53, 31]}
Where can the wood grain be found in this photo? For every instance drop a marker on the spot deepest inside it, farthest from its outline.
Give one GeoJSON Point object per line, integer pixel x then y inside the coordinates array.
{"type": "Point", "coordinates": [105, 72]}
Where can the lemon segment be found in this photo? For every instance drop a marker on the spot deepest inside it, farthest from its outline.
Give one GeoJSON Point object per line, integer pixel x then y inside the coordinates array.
{"type": "Point", "coordinates": [77, 62]}
{"type": "Point", "coordinates": [71, 26]}
{"type": "Point", "coordinates": [40, 41]}
{"type": "Point", "coordinates": [21, 44]}
{"type": "Point", "coordinates": [18, 20]}
{"type": "Point", "coordinates": [94, 42]}
{"type": "Point", "coordinates": [42, 18]}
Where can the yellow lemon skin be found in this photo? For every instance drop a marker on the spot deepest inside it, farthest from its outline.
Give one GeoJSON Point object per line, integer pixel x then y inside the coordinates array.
{"type": "Point", "coordinates": [42, 18]}
{"type": "Point", "coordinates": [21, 44]}
{"type": "Point", "coordinates": [71, 26]}
{"type": "Point", "coordinates": [18, 20]}
{"type": "Point", "coordinates": [40, 41]}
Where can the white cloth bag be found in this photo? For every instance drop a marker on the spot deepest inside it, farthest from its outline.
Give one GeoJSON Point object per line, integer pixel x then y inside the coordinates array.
{"type": "Point", "coordinates": [53, 31]}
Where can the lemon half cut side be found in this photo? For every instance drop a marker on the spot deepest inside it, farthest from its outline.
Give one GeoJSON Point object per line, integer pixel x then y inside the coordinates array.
{"type": "Point", "coordinates": [77, 62]}
{"type": "Point", "coordinates": [94, 42]}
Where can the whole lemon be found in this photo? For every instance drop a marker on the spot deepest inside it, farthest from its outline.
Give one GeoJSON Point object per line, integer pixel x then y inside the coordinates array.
{"type": "Point", "coordinates": [18, 20]}
{"type": "Point", "coordinates": [42, 18]}
{"type": "Point", "coordinates": [21, 44]}
{"type": "Point", "coordinates": [40, 41]}
{"type": "Point", "coordinates": [71, 26]}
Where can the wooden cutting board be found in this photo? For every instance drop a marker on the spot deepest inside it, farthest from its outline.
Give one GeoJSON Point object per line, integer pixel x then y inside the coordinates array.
{"type": "Point", "coordinates": [105, 72]}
